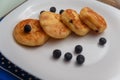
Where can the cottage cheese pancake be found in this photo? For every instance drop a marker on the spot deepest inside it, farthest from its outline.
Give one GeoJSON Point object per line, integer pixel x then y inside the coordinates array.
{"type": "Point", "coordinates": [51, 24]}
{"type": "Point", "coordinates": [28, 32]}
{"type": "Point", "coordinates": [93, 20]}
{"type": "Point", "coordinates": [71, 18]}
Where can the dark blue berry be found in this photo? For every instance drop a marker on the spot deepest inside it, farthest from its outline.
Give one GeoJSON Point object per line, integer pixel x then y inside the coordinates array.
{"type": "Point", "coordinates": [27, 28]}
{"type": "Point", "coordinates": [42, 11]}
{"type": "Point", "coordinates": [80, 59]}
{"type": "Point", "coordinates": [97, 31]}
{"type": "Point", "coordinates": [78, 48]}
{"type": "Point", "coordinates": [102, 41]}
{"type": "Point", "coordinates": [61, 11]}
{"type": "Point", "coordinates": [71, 21]}
{"type": "Point", "coordinates": [52, 9]}
{"type": "Point", "coordinates": [56, 53]}
{"type": "Point", "coordinates": [68, 56]}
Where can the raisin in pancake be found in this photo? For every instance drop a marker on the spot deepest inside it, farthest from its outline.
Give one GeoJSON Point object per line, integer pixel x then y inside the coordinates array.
{"type": "Point", "coordinates": [51, 24]}
{"type": "Point", "coordinates": [71, 18]}
{"type": "Point", "coordinates": [34, 36]}
{"type": "Point", "coordinates": [94, 21]}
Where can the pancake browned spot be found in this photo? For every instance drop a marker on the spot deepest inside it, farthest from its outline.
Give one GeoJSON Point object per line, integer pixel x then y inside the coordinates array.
{"type": "Point", "coordinates": [51, 24]}
{"type": "Point", "coordinates": [35, 37]}
{"type": "Point", "coordinates": [71, 18]}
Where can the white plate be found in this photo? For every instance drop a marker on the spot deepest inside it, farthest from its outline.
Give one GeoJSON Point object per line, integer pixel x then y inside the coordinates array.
{"type": "Point", "coordinates": [101, 63]}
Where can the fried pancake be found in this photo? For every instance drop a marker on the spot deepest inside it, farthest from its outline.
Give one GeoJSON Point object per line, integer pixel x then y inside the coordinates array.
{"type": "Point", "coordinates": [71, 19]}
{"type": "Point", "coordinates": [51, 24]}
{"type": "Point", "coordinates": [93, 20]}
{"type": "Point", "coordinates": [35, 37]}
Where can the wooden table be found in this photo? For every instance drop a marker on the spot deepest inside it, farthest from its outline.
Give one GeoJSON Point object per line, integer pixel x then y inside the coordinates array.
{"type": "Point", "coordinates": [115, 3]}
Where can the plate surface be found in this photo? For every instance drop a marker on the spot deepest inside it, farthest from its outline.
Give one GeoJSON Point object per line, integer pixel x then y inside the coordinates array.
{"type": "Point", "coordinates": [101, 62]}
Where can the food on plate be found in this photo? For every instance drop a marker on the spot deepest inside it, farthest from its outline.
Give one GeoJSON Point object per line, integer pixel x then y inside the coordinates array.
{"type": "Point", "coordinates": [52, 9]}
{"type": "Point", "coordinates": [80, 59]}
{"type": "Point", "coordinates": [67, 56]}
{"type": "Point", "coordinates": [71, 19]}
{"type": "Point", "coordinates": [51, 24]}
{"type": "Point", "coordinates": [57, 53]}
{"type": "Point", "coordinates": [78, 49]}
{"type": "Point", "coordinates": [28, 32]}
{"type": "Point", "coordinates": [27, 28]}
{"type": "Point", "coordinates": [33, 32]}
{"type": "Point", "coordinates": [61, 11]}
{"type": "Point", "coordinates": [41, 11]}
{"type": "Point", "coordinates": [93, 20]}
{"type": "Point", "coordinates": [102, 41]}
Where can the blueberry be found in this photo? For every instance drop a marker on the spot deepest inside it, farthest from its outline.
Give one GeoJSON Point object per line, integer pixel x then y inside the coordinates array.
{"type": "Point", "coordinates": [78, 48]}
{"type": "Point", "coordinates": [68, 56]}
{"type": "Point", "coordinates": [71, 21]}
{"type": "Point", "coordinates": [52, 9]}
{"type": "Point", "coordinates": [42, 11]}
{"type": "Point", "coordinates": [56, 53]}
{"type": "Point", "coordinates": [80, 59]}
{"type": "Point", "coordinates": [102, 41]}
{"type": "Point", "coordinates": [27, 28]}
{"type": "Point", "coordinates": [96, 31]}
{"type": "Point", "coordinates": [61, 11]}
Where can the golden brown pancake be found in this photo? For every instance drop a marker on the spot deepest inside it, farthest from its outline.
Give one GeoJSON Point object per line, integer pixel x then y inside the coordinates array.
{"type": "Point", "coordinates": [93, 20]}
{"type": "Point", "coordinates": [35, 37]}
{"type": "Point", "coordinates": [51, 24]}
{"type": "Point", "coordinates": [71, 18]}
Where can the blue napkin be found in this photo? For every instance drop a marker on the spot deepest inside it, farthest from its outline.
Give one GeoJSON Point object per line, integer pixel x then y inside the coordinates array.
{"type": "Point", "coordinates": [1, 18]}
{"type": "Point", "coordinates": [9, 71]}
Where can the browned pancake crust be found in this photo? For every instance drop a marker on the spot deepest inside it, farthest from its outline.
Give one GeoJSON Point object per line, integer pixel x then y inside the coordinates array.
{"type": "Point", "coordinates": [94, 20]}
{"type": "Point", "coordinates": [71, 18]}
{"type": "Point", "coordinates": [34, 38]}
{"type": "Point", "coordinates": [51, 24]}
